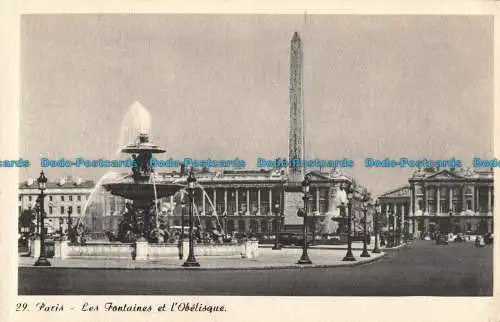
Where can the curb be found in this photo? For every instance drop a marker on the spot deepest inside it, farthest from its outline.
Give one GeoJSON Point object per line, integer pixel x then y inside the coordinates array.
{"type": "Point", "coordinates": [338, 248]}
{"type": "Point", "coordinates": [248, 268]}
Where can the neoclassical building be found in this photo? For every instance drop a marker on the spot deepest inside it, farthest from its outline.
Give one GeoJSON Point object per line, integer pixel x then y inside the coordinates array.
{"type": "Point", "coordinates": [65, 200]}
{"type": "Point", "coordinates": [455, 200]}
{"type": "Point", "coordinates": [60, 196]}
{"type": "Point", "coordinates": [254, 201]}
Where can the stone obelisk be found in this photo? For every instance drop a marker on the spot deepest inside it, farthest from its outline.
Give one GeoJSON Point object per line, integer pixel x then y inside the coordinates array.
{"type": "Point", "coordinates": [296, 139]}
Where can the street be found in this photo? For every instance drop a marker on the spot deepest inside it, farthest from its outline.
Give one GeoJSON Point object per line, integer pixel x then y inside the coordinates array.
{"type": "Point", "coordinates": [420, 269]}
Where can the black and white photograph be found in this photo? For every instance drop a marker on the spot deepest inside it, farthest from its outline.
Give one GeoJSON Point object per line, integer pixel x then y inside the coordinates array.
{"type": "Point", "coordinates": [264, 155]}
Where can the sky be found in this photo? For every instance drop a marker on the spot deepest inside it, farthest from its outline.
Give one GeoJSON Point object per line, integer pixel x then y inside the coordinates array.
{"type": "Point", "coordinates": [216, 86]}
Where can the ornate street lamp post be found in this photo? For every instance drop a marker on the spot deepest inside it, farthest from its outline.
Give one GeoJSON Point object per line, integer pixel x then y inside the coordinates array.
{"type": "Point", "coordinates": [376, 214]}
{"type": "Point", "coordinates": [450, 222]}
{"type": "Point", "coordinates": [181, 236]}
{"type": "Point", "coordinates": [224, 221]}
{"type": "Point", "coordinates": [277, 220]}
{"type": "Point", "coordinates": [68, 231]}
{"type": "Point", "coordinates": [191, 260]}
{"type": "Point", "coordinates": [42, 260]}
{"type": "Point", "coordinates": [279, 212]}
{"type": "Point", "coordinates": [392, 228]}
{"type": "Point", "coordinates": [405, 231]}
{"type": "Point", "coordinates": [306, 185]}
{"type": "Point", "coordinates": [365, 210]}
{"type": "Point", "coordinates": [399, 229]}
{"type": "Point", "coordinates": [37, 214]}
{"type": "Point", "coordinates": [349, 257]}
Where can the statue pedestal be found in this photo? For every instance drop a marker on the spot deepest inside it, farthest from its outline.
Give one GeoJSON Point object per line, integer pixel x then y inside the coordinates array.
{"type": "Point", "coordinates": [35, 247]}
{"type": "Point", "coordinates": [61, 249]}
{"type": "Point", "coordinates": [141, 250]}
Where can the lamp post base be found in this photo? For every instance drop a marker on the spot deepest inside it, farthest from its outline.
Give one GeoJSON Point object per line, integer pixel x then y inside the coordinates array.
{"type": "Point", "coordinates": [191, 262]}
{"type": "Point", "coordinates": [349, 257]}
{"type": "Point", "coordinates": [304, 259]}
{"type": "Point", "coordinates": [365, 253]}
{"type": "Point", "coordinates": [42, 261]}
{"type": "Point", "coordinates": [277, 247]}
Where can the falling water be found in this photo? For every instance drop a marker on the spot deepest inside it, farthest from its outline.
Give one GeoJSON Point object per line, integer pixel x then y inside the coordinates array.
{"type": "Point", "coordinates": [97, 187]}
{"type": "Point", "coordinates": [156, 199]}
{"type": "Point", "coordinates": [136, 120]}
{"type": "Point", "coordinates": [211, 204]}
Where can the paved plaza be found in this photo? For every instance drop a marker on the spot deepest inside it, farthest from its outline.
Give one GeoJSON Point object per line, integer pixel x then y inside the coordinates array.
{"type": "Point", "coordinates": [322, 256]}
{"type": "Point", "coordinates": [419, 269]}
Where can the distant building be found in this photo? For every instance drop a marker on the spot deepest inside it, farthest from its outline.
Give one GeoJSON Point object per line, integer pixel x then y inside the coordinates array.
{"type": "Point", "coordinates": [254, 201]}
{"type": "Point", "coordinates": [454, 200]}
{"type": "Point", "coordinates": [66, 194]}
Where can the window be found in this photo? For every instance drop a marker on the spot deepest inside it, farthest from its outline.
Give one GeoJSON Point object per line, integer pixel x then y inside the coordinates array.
{"type": "Point", "coordinates": [62, 209]}
{"type": "Point", "coordinates": [78, 209]}
{"type": "Point", "coordinates": [62, 198]}
{"type": "Point", "coordinates": [70, 198]}
{"type": "Point", "coordinates": [444, 206]}
{"type": "Point", "coordinates": [79, 198]}
{"type": "Point", "coordinates": [50, 210]}
{"type": "Point", "coordinates": [29, 198]}
{"type": "Point", "coordinates": [50, 198]}
{"type": "Point", "coordinates": [469, 204]}
{"type": "Point", "coordinates": [19, 209]}
{"type": "Point", "coordinates": [20, 197]}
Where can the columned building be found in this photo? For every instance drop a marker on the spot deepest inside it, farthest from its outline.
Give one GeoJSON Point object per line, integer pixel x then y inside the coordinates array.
{"type": "Point", "coordinates": [395, 210]}
{"type": "Point", "coordinates": [447, 200]}
{"type": "Point", "coordinates": [253, 201]}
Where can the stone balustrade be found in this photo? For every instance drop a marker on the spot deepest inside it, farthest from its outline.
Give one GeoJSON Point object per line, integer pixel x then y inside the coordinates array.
{"type": "Point", "coordinates": [144, 251]}
{"type": "Point", "coordinates": [100, 251]}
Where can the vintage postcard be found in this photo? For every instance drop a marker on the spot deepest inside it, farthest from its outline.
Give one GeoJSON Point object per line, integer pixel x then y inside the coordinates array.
{"type": "Point", "coordinates": [250, 161]}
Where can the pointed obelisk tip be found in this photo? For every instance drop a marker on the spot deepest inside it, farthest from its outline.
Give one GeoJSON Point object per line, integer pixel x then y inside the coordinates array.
{"type": "Point", "coordinates": [295, 36]}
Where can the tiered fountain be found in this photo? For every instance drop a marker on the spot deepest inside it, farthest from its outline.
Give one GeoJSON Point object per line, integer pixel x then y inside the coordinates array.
{"type": "Point", "coordinates": [142, 189]}
{"type": "Point", "coordinates": [139, 221]}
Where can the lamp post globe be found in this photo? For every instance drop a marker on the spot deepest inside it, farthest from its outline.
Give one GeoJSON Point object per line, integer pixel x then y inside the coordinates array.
{"type": "Point", "coordinates": [42, 185]}
{"type": "Point", "coordinates": [306, 185]}
{"type": "Point", "coordinates": [376, 215]}
{"type": "Point", "coordinates": [191, 260]}
{"type": "Point", "coordinates": [349, 257]}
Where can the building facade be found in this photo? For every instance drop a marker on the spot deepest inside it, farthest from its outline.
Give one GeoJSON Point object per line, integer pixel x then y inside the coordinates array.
{"type": "Point", "coordinates": [255, 202]}
{"type": "Point", "coordinates": [446, 200]}
{"type": "Point", "coordinates": [62, 196]}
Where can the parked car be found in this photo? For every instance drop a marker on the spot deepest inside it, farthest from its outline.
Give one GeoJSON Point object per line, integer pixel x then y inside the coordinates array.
{"type": "Point", "coordinates": [459, 238]}
{"type": "Point", "coordinates": [442, 239]}
{"type": "Point", "coordinates": [288, 238]}
{"type": "Point", "coordinates": [488, 239]}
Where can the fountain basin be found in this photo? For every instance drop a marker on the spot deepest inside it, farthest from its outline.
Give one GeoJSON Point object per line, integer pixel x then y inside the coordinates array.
{"type": "Point", "coordinates": [143, 250]}
{"type": "Point", "coordinates": [142, 190]}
